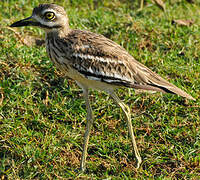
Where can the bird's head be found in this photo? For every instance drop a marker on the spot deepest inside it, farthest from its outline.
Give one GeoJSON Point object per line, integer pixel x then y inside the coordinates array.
{"type": "Point", "coordinates": [50, 17]}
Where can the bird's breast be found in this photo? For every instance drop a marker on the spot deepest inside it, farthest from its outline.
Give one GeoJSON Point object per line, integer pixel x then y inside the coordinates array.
{"type": "Point", "coordinates": [60, 57]}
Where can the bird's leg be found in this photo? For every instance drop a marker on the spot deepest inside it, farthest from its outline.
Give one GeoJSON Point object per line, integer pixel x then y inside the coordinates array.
{"type": "Point", "coordinates": [126, 111]}
{"type": "Point", "coordinates": [88, 129]}
{"type": "Point", "coordinates": [141, 4]}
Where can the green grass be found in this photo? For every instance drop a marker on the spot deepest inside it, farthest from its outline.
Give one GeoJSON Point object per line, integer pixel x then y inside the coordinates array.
{"type": "Point", "coordinates": [42, 114]}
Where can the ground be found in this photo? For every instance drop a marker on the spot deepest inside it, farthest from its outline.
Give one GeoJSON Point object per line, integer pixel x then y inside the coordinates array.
{"type": "Point", "coordinates": [42, 114]}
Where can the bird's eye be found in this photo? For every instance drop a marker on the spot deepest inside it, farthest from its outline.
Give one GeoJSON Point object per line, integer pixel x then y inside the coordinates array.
{"type": "Point", "coordinates": [49, 15]}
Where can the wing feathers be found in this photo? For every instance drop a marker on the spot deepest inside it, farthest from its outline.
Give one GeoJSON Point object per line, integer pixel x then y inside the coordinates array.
{"type": "Point", "coordinates": [101, 59]}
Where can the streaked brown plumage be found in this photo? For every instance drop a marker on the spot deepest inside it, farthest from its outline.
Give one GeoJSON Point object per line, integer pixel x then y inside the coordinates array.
{"type": "Point", "coordinates": [94, 61]}
{"type": "Point", "coordinates": [116, 67]}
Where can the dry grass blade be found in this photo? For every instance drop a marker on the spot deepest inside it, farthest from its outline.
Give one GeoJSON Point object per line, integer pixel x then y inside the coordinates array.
{"type": "Point", "coordinates": [1, 97]}
{"type": "Point", "coordinates": [183, 22]}
{"type": "Point", "coordinates": [160, 4]}
{"type": "Point", "coordinates": [27, 39]}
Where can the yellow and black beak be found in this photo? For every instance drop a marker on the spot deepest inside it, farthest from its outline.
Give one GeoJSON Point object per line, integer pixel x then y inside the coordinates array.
{"type": "Point", "coordinates": [25, 22]}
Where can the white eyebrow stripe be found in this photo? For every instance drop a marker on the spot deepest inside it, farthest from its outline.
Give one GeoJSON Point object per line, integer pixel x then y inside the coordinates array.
{"type": "Point", "coordinates": [48, 10]}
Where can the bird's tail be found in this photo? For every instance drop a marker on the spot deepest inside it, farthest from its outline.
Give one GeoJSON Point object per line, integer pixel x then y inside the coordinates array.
{"type": "Point", "coordinates": [153, 82]}
{"type": "Point", "coordinates": [165, 89]}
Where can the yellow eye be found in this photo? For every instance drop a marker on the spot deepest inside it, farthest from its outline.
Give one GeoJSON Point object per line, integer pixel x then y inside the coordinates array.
{"type": "Point", "coordinates": [49, 15]}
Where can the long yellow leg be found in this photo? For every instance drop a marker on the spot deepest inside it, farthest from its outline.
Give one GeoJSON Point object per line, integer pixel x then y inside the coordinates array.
{"type": "Point", "coordinates": [141, 4]}
{"type": "Point", "coordinates": [87, 131]}
{"type": "Point", "coordinates": [126, 111]}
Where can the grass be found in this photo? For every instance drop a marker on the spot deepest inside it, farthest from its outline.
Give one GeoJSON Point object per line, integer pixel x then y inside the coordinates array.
{"type": "Point", "coordinates": [42, 114]}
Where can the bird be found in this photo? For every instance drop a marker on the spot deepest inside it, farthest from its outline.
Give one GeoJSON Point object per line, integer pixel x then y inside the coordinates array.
{"type": "Point", "coordinates": [94, 62]}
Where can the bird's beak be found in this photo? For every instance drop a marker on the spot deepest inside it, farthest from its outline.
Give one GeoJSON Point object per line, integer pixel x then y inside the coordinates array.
{"type": "Point", "coordinates": [25, 22]}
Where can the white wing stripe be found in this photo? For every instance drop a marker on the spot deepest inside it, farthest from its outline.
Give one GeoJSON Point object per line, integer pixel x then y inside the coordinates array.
{"type": "Point", "coordinates": [84, 56]}
{"type": "Point", "coordinates": [114, 74]}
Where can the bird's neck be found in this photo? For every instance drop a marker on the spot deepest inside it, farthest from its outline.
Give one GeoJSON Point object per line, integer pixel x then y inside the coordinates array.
{"type": "Point", "coordinates": [58, 32]}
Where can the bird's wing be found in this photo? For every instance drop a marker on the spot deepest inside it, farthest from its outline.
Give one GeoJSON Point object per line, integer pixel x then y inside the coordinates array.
{"type": "Point", "coordinates": [101, 59]}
